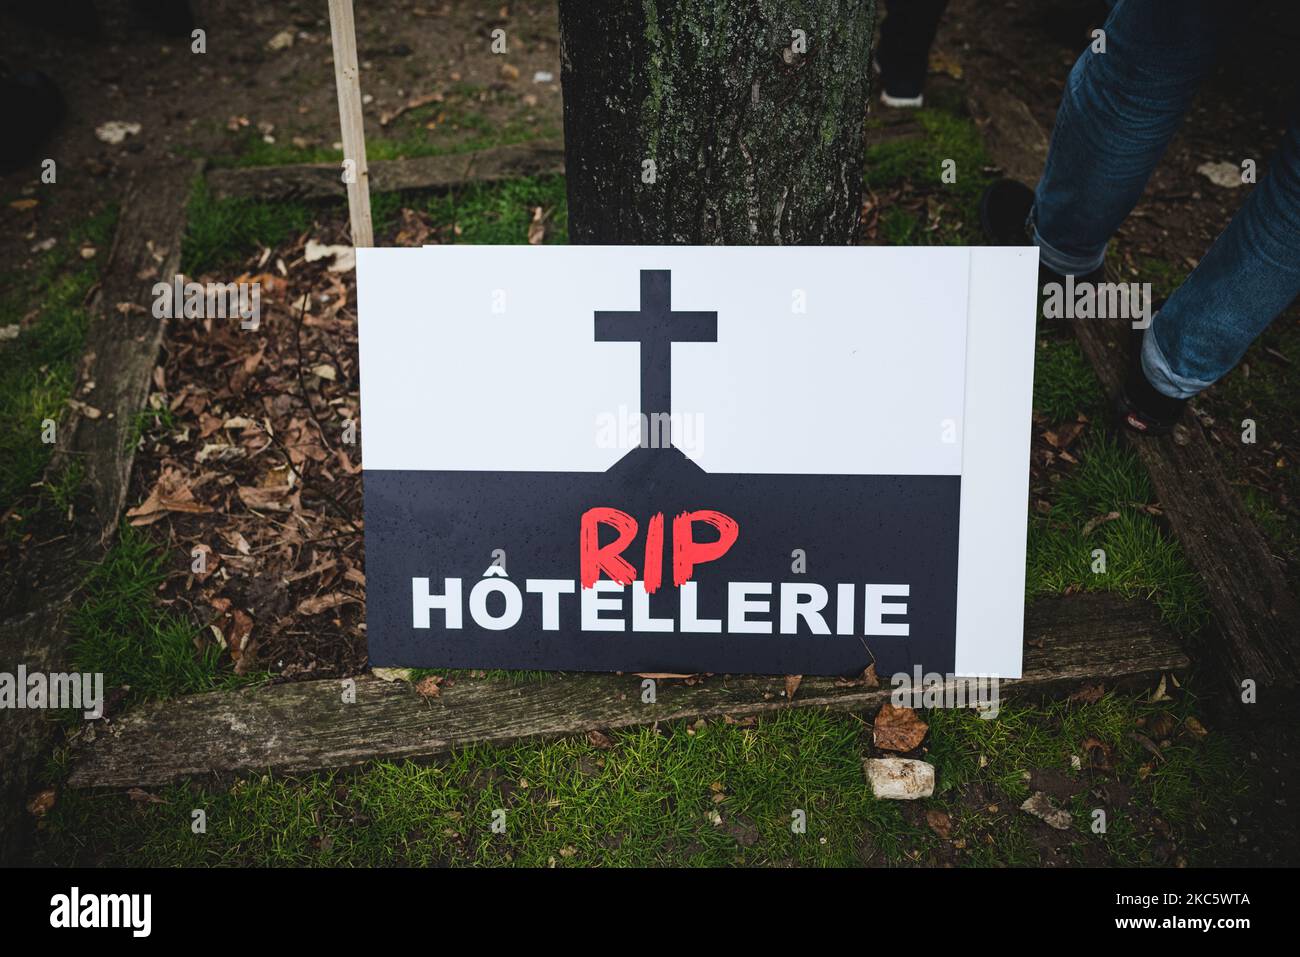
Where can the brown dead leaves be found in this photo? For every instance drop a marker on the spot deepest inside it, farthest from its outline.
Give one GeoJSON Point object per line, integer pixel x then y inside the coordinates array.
{"type": "Point", "coordinates": [253, 478]}
{"type": "Point", "coordinates": [898, 729]}
{"type": "Point", "coordinates": [171, 493]}
{"type": "Point", "coordinates": [320, 603]}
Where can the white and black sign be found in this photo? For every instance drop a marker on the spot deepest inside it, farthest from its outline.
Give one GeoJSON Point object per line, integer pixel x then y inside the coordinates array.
{"type": "Point", "coordinates": [678, 459]}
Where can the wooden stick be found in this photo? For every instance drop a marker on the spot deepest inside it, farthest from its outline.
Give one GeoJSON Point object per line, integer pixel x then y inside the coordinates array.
{"type": "Point", "coordinates": [347, 76]}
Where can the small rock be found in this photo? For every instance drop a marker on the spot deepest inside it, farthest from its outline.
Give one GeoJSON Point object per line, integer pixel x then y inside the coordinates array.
{"type": "Point", "coordinates": [1227, 175]}
{"type": "Point", "coordinates": [115, 131]}
{"type": "Point", "coordinates": [899, 779]}
{"type": "Point", "coordinates": [1040, 806]}
{"type": "Point", "coordinates": [543, 76]}
{"type": "Point", "coordinates": [281, 41]}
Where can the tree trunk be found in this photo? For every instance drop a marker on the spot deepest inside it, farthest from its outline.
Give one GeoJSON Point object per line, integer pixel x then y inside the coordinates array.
{"type": "Point", "coordinates": [715, 121]}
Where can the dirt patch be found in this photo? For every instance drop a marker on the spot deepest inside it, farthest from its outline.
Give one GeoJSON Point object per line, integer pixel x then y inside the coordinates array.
{"type": "Point", "coordinates": [253, 96]}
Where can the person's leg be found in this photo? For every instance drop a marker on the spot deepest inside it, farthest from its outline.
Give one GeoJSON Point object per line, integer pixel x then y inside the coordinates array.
{"type": "Point", "coordinates": [1250, 274]}
{"type": "Point", "coordinates": [1119, 111]}
{"type": "Point", "coordinates": [904, 52]}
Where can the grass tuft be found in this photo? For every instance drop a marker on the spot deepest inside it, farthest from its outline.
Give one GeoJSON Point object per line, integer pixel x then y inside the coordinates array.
{"type": "Point", "coordinates": [119, 629]}
{"type": "Point", "coordinates": [38, 368]}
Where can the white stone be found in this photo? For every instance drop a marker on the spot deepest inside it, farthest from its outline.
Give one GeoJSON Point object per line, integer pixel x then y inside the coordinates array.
{"type": "Point", "coordinates": [900, 779]}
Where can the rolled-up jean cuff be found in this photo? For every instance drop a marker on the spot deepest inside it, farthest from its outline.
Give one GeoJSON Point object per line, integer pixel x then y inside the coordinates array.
{"type": "Point", "coordinates": [1066, 265]}
{"type": "Point", "coordinates": [1164, 379]}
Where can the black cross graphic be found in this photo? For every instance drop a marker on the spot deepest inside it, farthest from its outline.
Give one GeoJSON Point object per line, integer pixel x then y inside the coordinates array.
{"type": "Point", "coordinates": [656, 327]}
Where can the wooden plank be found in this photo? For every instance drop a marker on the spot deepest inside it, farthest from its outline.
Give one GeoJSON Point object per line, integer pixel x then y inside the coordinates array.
{"type": "Point", "coordinates": [320, 181]}
{"type": "Point", "coordinates": [1257, 616]}
{"type": "Point", "coordinates": [1011, 134]}
{"type": "Point", "coordinates": [347, 78]}
{"type": "Point", "coordinates": [120, 352]}
{"type": "Point", "coordinates": [307, 726]}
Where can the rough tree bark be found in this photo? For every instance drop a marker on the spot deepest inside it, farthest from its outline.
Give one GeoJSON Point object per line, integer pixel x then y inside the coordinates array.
{"type": "Point", "coordinates": [715, 121]}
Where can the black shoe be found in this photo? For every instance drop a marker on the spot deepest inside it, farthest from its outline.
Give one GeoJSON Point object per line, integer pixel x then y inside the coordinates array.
{"type": "Point", "coordinates": [897, 91]}
{"type": "Point", "coordinates": [1141, 408]}
{"type": "Point", "coordinates": [31, 108]}
{"type": "Point", "coordinates": [1004, 218]}
{"type": "Point", "coordinates": [1004, 213]}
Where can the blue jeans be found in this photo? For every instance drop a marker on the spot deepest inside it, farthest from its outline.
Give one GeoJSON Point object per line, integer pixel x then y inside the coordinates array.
{"type": "Point", "coordinates": [1119, 112]}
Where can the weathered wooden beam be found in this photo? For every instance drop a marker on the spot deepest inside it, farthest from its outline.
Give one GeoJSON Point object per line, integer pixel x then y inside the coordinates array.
{"type": "Point", "coordinates": [1256, 614]}
{"type": "Point", "coordinates": [122, 345]}
{"type": "Point", "coordinates": [307, 726]}
{"type": "Point", "coordinates": [323, 181]}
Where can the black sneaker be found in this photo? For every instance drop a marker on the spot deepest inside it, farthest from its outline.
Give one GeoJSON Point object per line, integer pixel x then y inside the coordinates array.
{"type": "Point", "coordinates": [1004, 213]}
{"type": "Point", "coordinates": [1004, 219]}
{"type": "Point", "coordinates": [31, 108]}
{"type": "Point", "coordinates": [899, 92]}
{"type": "Point", "coordinates": [1141, 408]}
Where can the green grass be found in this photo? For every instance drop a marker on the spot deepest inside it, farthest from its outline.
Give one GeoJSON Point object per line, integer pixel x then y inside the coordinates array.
{"type": "Point", "coordinates": [916, 165]}
{"type": "Point", "coordinates": [1141, 561]}
{"type": "Point", "coordinates": [461, 128]}
{"type": "Point", "coordinates": [223, 232]}
{"type": "Point", "coordinates": [500, 212]}
{"type": "Point", "coordinates": [220, 232]}
{"type": "Point", "coordinates": [1064, 383]}
{"type": "Point", "coordinates": [650, 800]}
{"type": "Point", "coordinates": [1192, 788]}
{"type": "Point", "coordinates": [120, 630]}
{"type": "Point", "coordinates": [38, 369]}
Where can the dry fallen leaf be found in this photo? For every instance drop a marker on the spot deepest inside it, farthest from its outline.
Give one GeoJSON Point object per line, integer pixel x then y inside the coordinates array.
{"type": "Point", "coordinates": [41, 802]}
{"type": "Point", "coordinates": [319, 603]}
{"type": "Point", "coordinates": [1088, 694]}
{"type": "Point", "coordinates": [1040, 806]}
{"type": "Point", "coordinates": [264, 499]}
{"type": "Point", "coordinates": [537, 228]}
{"type": "Point", "coordinates": [600, 740]}
{"type": "Point", "coordinates": [1099, 520]}
{"type": "Point", "coordinates": [898, 729]}
{"type": "Point", "coordinates": [344, 257]}
{"type": "Point", "coordinates": [1098, 752]}
{"type": "Point", "coordinates": [171, 493]}
{"type": "Point", "coordinates": [1195, 727]}
{"type": "Point", "coordinates": [657, 675]}
{"type": "Point", "coordinates": [869, 676]}
{"type": "Point", "coordinates": [140, 794]}
{"type": "Point", "coordinates": [940, 823]}
{"type": "Point", "coordinates": [427, 687]}
{"type": "Point", "coordinates": [241, 626]}
{"type": "Point", "coordinates": [792, 683]}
